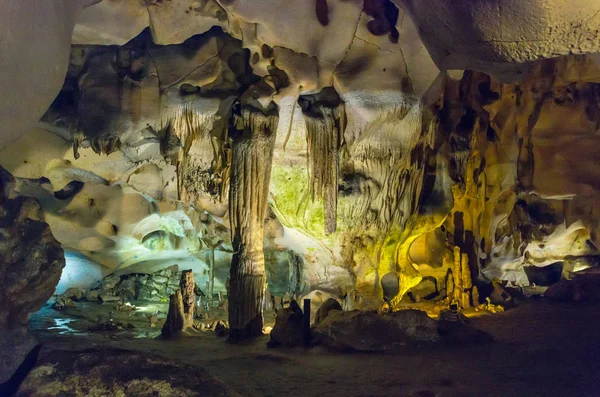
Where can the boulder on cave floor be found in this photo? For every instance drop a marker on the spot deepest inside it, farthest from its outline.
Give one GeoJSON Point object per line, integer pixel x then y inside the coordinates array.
{"type": "Point", "coordinates": [370, 331]}
{"type": "Point", "coordinates": [584, 287]}
{"type": "Point", "coordinates": [74, 293]}
{"type": "Point", "coordinates": [115, 372]}
{"type": "Point", "coordinates": [324, 310]}
{"type": "Point", "coordinates": [62, 302]}
{"type": "Point", "coordinates": [426, 289]}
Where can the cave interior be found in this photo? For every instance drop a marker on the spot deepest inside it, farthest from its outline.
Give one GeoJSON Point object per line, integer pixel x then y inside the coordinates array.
{"type": "Point", "coordinates": [267, 198]}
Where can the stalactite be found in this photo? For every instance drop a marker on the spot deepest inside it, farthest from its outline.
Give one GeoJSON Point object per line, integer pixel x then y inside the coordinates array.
{"type": "Point", "coordinates": [252, 155]}
{"type": "Point", "coordinates": [184, 128]}
{"type": "Point", "coordinates": [449, 285]}
{"type": "Point", "coordinates": [289, 132]}
{"type": "Point", "coordinates": [386, 152]}
{"type": "Point", "coordinates": [324, 133]}
{"type": "Point", "coordinates": [78, 138]}
{"type": "Point", "coordinates": [104, 144]}
{"type": "Point", "coordinates": [188, 125]}
{"type": "Point", "coordinates": [391, 156]}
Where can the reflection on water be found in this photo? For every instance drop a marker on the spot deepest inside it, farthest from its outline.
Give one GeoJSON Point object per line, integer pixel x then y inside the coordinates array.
{"type": "Point", "coordinates": [61, 324]}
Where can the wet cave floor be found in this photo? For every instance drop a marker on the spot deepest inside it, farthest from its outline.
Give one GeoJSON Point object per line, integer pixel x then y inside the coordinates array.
{"type": "Point", "coordinates": [541, 349]}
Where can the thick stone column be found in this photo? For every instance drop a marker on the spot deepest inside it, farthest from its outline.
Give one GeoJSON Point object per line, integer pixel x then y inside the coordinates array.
{"type": "Point", "coordinates": [253, 141]}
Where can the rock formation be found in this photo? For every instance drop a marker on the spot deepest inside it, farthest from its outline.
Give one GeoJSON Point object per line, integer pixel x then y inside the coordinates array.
{"type": "Point", "coordinates": [252, 153]}
{"type": "Point", "coordinates": [348, 149]}
{"type": "Point", "coordinates": [25, 99]}
{"type": "Point", "coordinates": [30, 267]}
{"type": "Point", "coordinates": [180, 318]}
{"type": "Point", "coordinates": [325, 124]}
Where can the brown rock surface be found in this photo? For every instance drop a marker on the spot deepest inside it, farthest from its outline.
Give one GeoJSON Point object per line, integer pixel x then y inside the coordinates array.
{"type": "Point", "coordinates": [31, 261]}
{"type": "Point", "coordinates": [115, 372]}
{"type": "Point", "coordinates": [369, 331]}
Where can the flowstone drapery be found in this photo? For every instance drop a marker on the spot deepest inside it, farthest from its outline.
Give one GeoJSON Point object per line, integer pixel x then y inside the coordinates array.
{"type": "Point", "coordinates": [253, 143]}
{"type": "Point", "coordinates": [323, 135]}
{"type": "Point", "coordinates": [325, 124]}
{"type": "Point", "coordinates": [184, 140]}
{"type": "Point", "coordinates": [392, 153]}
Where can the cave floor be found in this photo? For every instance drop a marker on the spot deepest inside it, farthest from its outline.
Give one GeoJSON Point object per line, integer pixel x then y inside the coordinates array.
{"type": "Point", "coordinates": [541, 349]}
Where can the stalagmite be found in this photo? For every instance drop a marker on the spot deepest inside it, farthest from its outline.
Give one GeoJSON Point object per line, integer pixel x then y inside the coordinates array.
{"type": "Point", "coordinates": [459, 285]}
{"type": "Point", "coordinates": [449, 285]}
{"type": "Point", "coordinates": [187, 286]}
{"type": "Point", "coordinates": [465, 271]}
{"type": "Point", "coordinates": [456, 270]}
{"type": "Point", "coordinates": [475, 296]}
{"type": "Point", "coordinates": [180, 317]}
{"type": "Point", "coordinates": [252, 156]}
{"type": "Point", "coordinates": [174, 324]}
{"type": "Point", "coordinates": [466, 280]}
{"type": "Point", "coordinates": [212, 246]}
{"type": "Point", "coordinates": [466, 300]}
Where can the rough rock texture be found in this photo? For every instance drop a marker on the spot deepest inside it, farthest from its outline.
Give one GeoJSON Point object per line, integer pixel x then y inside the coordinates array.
{"type": "Point", "coordinates": [498, 37]}
{"type": "Point", "coordinates": [180, 318]}
{"type": "Point", "coordinates": [369, 331]}
{"type": "Point", "coordinates": [583, 288]}
{"type": "Point", "coordinates": [397, 165]}
{"type": "Point", "coordinates": [525, 190]}
{"type": "Point", "coordinates": [409, 163]}
{"type": "Point", "coordinates": [48, 36]}
{"type": "Point", "coordinates": [175, 324]}
{"type": "Point", "coordinates": [288, 329]}
{"type": "Point", "coordinates": [117, 372]}
{"type": "Point", "coordinates": [324, 310]}
{"type": "Point", "coordinates": [30, 267]}
{"type": "Point", "coordinates": [155, 287]}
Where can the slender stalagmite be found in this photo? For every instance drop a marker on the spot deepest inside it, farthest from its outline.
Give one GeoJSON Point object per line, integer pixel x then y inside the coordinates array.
{"type": "Point", "coordinates": [187, 286]}
{"type": "Point", "coordinates": [449, 286]}
{"type": "Point", "coordinates": [465, 271]}
{"type": "Point", "coordinates": [466, 280]}
{"type": "Point", "coordinates": [456, 270]}
{"type": "Point", "coordinates": [252, 155]}
{"type": "Point", "coordinates": [475, 295]}
{"type": "Point", "coordinates": [212, 246]}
